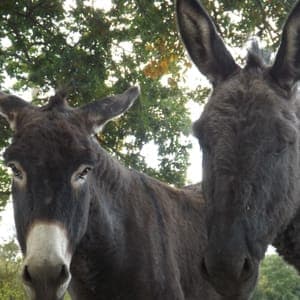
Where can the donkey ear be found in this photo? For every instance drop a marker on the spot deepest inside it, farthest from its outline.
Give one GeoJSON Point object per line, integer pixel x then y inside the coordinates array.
{"type": "Point", "coordinates": [10, 107]}
{"type": "Point", "coordinates": [286, 68]}
{"type": "Point", "coordinates": [202, 41]}
{"type": "Point", "coordinates": [98, 113]}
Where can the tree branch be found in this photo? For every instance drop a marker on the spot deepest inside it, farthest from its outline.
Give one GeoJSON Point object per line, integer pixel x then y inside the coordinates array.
{"type": "Point", "coordinates": [264, 18]}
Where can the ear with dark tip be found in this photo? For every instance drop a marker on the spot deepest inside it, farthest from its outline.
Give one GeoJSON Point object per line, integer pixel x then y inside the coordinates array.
{"type": "Point", "coordinates": [10, 107]}
{"type": "Point", "coordinates": [286, 68]}
{"type": "Point", "coordinates": [98, 113]}
{"type": "Point", "coordinates": [202, 41]}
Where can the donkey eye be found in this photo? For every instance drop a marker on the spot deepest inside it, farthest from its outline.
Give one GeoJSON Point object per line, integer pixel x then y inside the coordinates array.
{"type": "Point", "coordinates": [84, 172]}
{"type": "Point", "coordinates": [16, 171]}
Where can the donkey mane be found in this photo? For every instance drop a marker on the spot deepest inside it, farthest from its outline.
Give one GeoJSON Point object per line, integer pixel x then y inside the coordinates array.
{"type": "Point", "coordinates": [58, 101]}
{"type": "Point", "coordinates": [254, 61]}
{"type": "Point", "coordinates": [257, 57]}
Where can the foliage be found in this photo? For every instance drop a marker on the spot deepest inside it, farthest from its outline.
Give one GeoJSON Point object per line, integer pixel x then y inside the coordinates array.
{"type": "Point", "coordinates": [93, 52]}
{"type": "Point", "coordinates": [10, 263]}
{"type": "Point", "coordinates": [261, 18]}
{"type": "Point", "coordinates": [277, 281]}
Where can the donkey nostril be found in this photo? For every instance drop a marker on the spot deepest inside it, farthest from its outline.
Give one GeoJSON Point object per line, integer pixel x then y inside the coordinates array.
{"type": "Point", "coordinates": [64, 274]}
{"type": "Point", "coordinates": [204, 268]}
{"type": "Point", "coordinates": [247, 268]}
{"type": "Point", "coordinates": [247, 265]}
{"type": "Point", "coordinates": [26, 275]}
{"type": "Point", "coordinates": [57, 275]}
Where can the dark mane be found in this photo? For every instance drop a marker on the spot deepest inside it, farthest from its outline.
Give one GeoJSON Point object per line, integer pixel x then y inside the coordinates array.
{"type": "Point", "coordinates": [257, 57]}
{"type": "Point", "coordinates": [58, 101]}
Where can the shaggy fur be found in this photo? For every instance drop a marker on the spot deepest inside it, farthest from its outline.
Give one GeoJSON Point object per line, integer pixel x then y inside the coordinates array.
{"type": "Point", "coordinates": [131, 236]}
{"type": "Point", "coordinates": [249, 134]}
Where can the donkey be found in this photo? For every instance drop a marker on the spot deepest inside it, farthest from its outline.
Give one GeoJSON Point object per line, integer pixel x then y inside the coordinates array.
{"type": "Point", "coordinates": [249, 135]}
{"type": "Point", "coordinates": [86, 223]}
{"type": "Point", "coordinates": [287, 242]}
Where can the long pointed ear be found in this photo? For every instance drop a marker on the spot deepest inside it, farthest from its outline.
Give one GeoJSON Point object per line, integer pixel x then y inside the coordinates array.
{"type": "Point", "coordinates": [10, 107]}
{"type": "Point", "coordinates": [98, 113]}
{"type": "Point", "coordinates": [202, 41]}
{"type": "Point", "coordinates": [286, 68]}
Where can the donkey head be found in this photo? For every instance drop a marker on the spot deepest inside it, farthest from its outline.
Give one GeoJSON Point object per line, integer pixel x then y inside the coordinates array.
{"type": "Point", "coordinates": [249, 136]}
{"type": "Point", "coordinates": [52, 156]}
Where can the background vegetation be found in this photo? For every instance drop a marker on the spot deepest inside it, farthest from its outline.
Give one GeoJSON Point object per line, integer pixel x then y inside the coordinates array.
{"type": "Point", "coordinates": [278, 281]}
{"type": "Point", "coordinates": [93, 52]}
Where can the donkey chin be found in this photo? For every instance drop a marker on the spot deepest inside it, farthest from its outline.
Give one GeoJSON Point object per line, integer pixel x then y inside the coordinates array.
{"type": "Point", "coordinates": [235, 290]}
{"type": "Point", "coordinates": [47, 291]}
{"type": "Point", "coordinates": [231, 272]}
{"type": "Point", "coordinates": [46, 268]}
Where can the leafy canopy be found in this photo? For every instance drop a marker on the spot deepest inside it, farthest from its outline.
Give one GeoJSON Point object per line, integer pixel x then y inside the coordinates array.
{"type": "Point", "coordinates": [93, 52]}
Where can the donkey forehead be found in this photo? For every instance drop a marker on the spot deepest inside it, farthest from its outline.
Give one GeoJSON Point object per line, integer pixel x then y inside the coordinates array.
{"type": "Point", "coordinates": [50, 140]}
{"type": "Point", "coordinates": [246, 106]}
{"type": "Point", "coordinates": [248, 86]}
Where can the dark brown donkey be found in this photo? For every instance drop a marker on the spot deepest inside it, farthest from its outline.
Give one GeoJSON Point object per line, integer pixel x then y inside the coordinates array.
{"type": "Point", "coordinates": [88, 224]}
{"type": "Point", "coordinates": [249, 134]}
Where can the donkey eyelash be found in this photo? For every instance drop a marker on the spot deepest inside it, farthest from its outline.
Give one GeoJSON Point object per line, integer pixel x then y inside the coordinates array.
{"type": "Point", "coordinates": [81, 174]}
{"type": "Point", "coordinates": [84, 173]}
{"type": "Point", "coordinates": [16, 171]}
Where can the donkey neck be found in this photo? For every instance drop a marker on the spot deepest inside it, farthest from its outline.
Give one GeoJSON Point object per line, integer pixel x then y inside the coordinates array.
{"type": "Point", "coordinates": [110, 186]}
{"type": "Point", "coordinates": [110, 175]}
{"type": "Point", "coordinates": [116, 226]}
{"type": "Point", "coordinates": [131, 235]}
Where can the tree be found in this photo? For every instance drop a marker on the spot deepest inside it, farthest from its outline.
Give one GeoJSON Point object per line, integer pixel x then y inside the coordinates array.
{"type": "Point", "coordinates": [277, 280]}
{"type": "Point", "coordinates": [239, 20]}
{"type": "Point", "coordinates": [93, 52]}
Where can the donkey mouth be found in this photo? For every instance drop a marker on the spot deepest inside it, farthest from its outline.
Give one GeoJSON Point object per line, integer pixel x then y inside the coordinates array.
{"type": "Point", "coordinates": [46, 269]}
{"type": "Point", "coordinates": [229, 288]}
{"type": "Point", "coordinates": [46, 293]}
{"type": "Point", "coordinates": [232, 291]}
{"type": "Point", "coordinates": [45, 288]}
